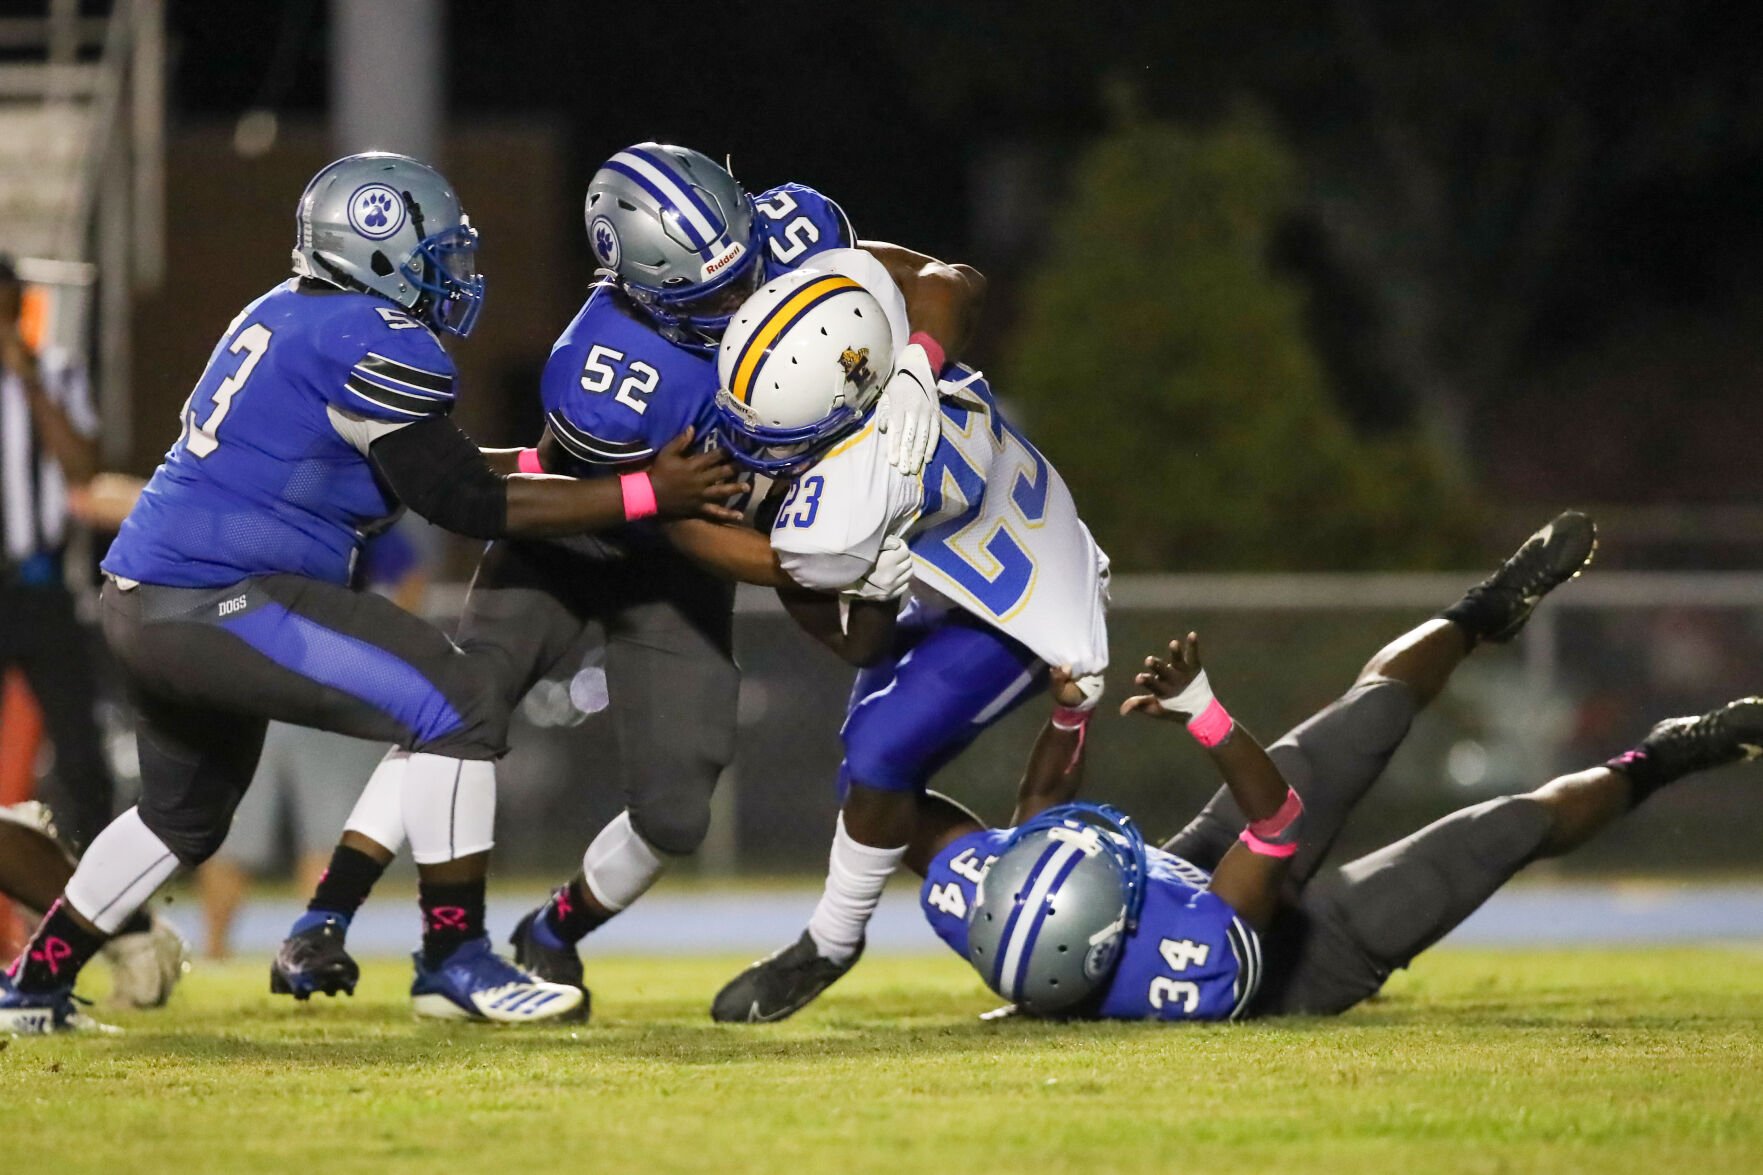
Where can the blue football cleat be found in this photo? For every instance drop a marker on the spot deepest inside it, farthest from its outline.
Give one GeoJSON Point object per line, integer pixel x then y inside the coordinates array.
{"type": "Point", "coordinates": [38, 1014]}
{"type": "Point", "coordinates": [475, 983]}
{"type": "Point", "coordinates": [313, 960]}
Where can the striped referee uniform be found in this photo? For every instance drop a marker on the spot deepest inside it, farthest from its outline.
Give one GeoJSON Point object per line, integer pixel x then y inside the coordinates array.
{"type": "Point", "coordinates": [39, 631]}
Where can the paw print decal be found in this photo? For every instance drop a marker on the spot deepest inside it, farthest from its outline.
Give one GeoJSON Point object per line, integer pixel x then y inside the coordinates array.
{"type": "Point", "coordinates": [605, 241]}
{"type": "Point", "coordinates": [379, 206]}
{"type": "Point", "coordinates": [376, 211]}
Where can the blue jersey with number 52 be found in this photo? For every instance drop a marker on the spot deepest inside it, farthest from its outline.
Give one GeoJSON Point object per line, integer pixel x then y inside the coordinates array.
{"type": "Point", "coordinates": [263, 478]}
{"type": "Point", "coordinates": [1191, 957]}
{"type": "Point", "coordinates": [616, 391]}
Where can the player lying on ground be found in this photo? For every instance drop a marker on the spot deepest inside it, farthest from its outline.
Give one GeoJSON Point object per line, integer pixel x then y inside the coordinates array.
{"type": "Point", "coordinates": [147, 956]}
{"type": "Point", "coordinates": [1231, 917]}
{"type": "Point", "coordinates": [323, 410]}
{"type": "Point", "coordinates": [1004, 578]}
{"type": "Point", "coordinates": [681, 245]}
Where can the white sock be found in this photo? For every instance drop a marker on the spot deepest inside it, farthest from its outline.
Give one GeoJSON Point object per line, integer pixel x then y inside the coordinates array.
{"type": "Point", "coordinates": [449, 807]}
{"type": "Point", "coordinates": [120, 871]}
{"type": "Point", "coordinates": [379, 813]}
{"type": "Point", "coordinates": [620, 865]}
{"type": "Point", "coordinates": [855, 877]}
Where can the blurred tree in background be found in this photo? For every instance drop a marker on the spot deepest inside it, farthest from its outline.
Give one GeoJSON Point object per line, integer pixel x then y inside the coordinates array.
{"type": "Point", "coordinates": [1165, 368]}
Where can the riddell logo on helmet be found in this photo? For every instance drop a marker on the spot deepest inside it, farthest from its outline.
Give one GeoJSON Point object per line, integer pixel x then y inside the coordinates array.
{"type": "Point", "coordinates": [716, 265]}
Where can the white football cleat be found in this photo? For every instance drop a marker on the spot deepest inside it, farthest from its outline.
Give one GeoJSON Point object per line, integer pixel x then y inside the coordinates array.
{"type": "Point", "coordinates": [475, 983]}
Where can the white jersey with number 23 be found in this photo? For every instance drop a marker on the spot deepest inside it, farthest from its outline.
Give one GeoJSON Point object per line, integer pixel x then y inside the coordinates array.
{"type": "Point", "coordinates": [991, 524]}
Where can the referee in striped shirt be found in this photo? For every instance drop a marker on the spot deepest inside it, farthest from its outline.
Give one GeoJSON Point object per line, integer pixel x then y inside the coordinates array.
{"type": "Point", "coordinates": [47, 445]}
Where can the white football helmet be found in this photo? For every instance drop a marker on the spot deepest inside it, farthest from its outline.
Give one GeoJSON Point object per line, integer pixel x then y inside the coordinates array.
{"type": "Point", "coordinates": [801, 365]}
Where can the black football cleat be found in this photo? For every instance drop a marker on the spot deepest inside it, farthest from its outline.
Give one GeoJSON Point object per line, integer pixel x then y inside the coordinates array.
{"type": "Point", "coordinates": [1678, 747]}
{"type": "Point", "coordinates": [1503, 602]}
{"type": "Point", "coordinates": [314, 961]}
{"type": "Point", "coordinates": [554, 964]}
{"type": "Point", "coordinates": [777, 987]}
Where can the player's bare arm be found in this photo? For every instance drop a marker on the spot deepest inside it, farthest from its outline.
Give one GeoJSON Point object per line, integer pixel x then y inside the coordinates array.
{"type": "Point", "coordinates": [861, 637]}
{"type": "Point", "coordinates": [438, 472]}
{"type": "Point", "coordinates": [1054, 773]}
{"type": "Point", "coordinates": [1251, 873]}
{"type": "Point", "coordinates": [943, 300]}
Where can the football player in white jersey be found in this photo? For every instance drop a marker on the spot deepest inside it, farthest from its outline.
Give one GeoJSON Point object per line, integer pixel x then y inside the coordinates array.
{"type": "Point", "coordinates": [1000, 577]}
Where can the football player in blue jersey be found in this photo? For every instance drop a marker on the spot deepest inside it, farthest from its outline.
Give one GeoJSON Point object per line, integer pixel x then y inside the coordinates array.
{"type": "Point", "coordinates": [680, 246]}
{"type": "Point", "coordinates": [323, 409]}
{"type": "Point", "coordinates": [1231, 918]}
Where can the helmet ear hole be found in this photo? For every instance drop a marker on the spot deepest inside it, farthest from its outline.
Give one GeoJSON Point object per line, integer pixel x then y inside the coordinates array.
{"type": "Point", "coordinates": [381, 264]}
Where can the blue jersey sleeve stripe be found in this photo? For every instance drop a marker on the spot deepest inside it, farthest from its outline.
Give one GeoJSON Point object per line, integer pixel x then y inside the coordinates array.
{"type": "Point", "coordinates": [1245, 944]}
{"type": "Point", "coordinates": [414, 407]}
{"type": "Point", "coordinates": [585, 446]}
{"type": "Point", "coordinates": [416, 377]}
{"type": "Point", "coordinates": [391, 385]}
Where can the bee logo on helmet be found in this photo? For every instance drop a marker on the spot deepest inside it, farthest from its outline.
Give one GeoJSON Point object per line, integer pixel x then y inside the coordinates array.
{"type": "Point", "coordinates": [800, 367]}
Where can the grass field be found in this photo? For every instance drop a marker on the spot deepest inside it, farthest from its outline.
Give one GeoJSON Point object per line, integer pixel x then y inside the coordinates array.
{"type": "Point", "coordinates": [1482, 1061]}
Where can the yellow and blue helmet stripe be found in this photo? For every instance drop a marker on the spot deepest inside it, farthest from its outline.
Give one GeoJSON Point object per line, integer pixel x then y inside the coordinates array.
{"type": "Point", "coordinates": [759, 344]}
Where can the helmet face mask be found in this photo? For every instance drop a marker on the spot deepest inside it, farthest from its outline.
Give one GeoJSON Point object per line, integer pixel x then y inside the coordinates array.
{"type": "Point", "coordinates": [800, 367]}
{"type": "Point", "coordinates": [1053, 911]}
{"type": "Point", "coordinates": [390, 225]}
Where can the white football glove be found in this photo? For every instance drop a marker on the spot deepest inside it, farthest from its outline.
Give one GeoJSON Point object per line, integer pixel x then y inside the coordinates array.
{"type": "Point", "coordinates": [908, 411]}
{"type": "Point", "coordinates": [1090, 685]}
{"type": "Point", "coordinates": [889, 578]}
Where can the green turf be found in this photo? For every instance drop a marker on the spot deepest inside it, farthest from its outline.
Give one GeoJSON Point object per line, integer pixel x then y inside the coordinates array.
{"type": "Point", "coordinates": [1620, 1062]}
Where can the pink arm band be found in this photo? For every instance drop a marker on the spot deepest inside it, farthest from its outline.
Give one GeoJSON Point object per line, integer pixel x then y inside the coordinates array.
{"type": "Point", "coordinates": [529, 461]}
{"type": "Point", "coordinates": [639, 496]}
{"type": "Point", "coordinates": [1276, 836]}
{"type": "Point", "coordinates": [932, 349]}
{"type": "Point", "coordinates": [1212, 725]}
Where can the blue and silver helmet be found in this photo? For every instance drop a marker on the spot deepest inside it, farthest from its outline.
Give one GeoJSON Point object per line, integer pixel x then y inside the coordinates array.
{"type": "Point", "coordinates": [1053, 912]}
{"type": "Point", "coordinates": [677, 232]}
{"type": "Point", "coordinates": [390, 225]}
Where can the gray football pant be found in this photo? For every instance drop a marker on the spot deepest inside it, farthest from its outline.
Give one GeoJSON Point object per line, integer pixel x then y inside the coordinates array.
{"type": "Point", "coordinates": [1336, 941]}
{"type": "Point", "coordinates": [670, 667]}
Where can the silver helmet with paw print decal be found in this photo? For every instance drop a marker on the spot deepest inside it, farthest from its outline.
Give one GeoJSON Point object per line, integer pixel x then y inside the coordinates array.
{"type": "Point", "coordinates": [391, 225]}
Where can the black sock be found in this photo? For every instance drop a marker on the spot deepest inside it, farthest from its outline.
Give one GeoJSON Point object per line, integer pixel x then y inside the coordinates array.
{"type": "Point", "coordinates": [452, 914]}
{"type": "Point", "coordinates": [55, 954]}
{"type": "Point", "coordinates": [1645, 774]}
{"type": "Point", "coordinates": [138, 923]}
{"type": "Point", "coordinates": [569, 917]}
{"type": "Point", "coordinates": [1477, 615]}
{"type": "Point", "coordinates": [346, 884]}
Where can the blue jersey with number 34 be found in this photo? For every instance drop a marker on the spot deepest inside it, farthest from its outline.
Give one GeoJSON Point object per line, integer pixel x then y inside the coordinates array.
{"type": "Point", "coordinates": [263, 479]}
{"type": "Point", "coordinates": [616, 391]}
{"type": "Point", "coordinates": [1190, 958]}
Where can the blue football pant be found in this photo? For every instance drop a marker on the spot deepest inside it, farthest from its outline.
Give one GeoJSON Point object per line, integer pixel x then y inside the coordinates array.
{"type": "Point", "coordinates": [948, 677]}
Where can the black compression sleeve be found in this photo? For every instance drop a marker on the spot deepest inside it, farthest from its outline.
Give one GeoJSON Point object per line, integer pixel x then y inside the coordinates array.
{"type": "Point", "coordinates": [438, 471]}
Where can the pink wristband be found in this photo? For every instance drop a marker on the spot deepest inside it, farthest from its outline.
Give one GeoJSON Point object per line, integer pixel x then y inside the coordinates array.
{"type": "Point", "coordinates": [1263, 848]}
{"type": "Point", "coordinates": [1275, 826]}
{"type": "Point", "coordinates": [528, 461]}
{"type": "Point", "coordinates": [639, 496]}
{"type": "Point", "coordinates": [1212, 725]}
{"type": "Point", "coordinates": [932, 349]}
{"type": "Point", "coordinates": [1071, 718]}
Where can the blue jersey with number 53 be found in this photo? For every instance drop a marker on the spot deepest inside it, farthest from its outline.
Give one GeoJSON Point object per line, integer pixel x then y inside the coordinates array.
{"type": "Point", "coordinates": [1191, 957]}
{"type": "Point", "coordinates": [268, 475]}
{"type": "Point", "coordinates": [616, 391]}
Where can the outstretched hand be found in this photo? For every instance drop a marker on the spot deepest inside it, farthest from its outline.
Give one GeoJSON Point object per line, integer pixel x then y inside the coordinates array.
{"type": "Point", "coordinates": [1162, 679]}
{"type": "Point", "coordinates": [694, 486]}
